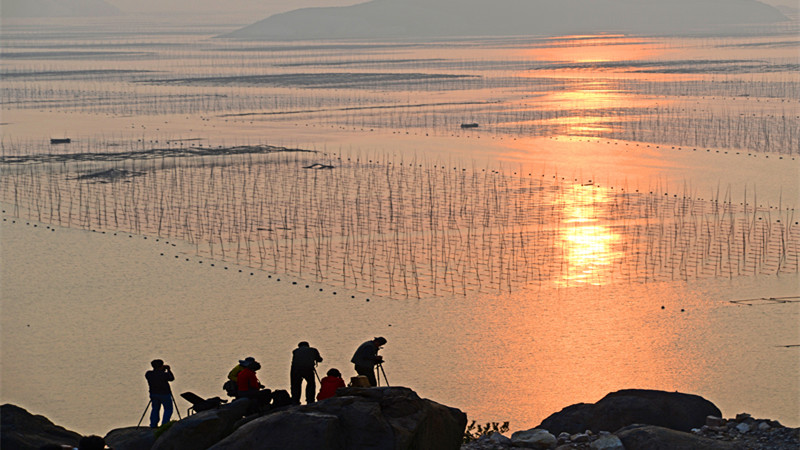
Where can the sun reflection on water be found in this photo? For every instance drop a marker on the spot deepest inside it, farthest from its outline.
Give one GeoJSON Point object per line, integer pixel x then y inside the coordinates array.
{"type": "Point", "coordinates": [592, 49]}
{"type": "Point", "coordinates": [589, 247]}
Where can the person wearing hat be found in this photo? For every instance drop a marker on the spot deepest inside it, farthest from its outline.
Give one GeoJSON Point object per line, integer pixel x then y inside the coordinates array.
{"type": "Point", "coordinates": [366, 358]}
{"type": "Point", "coordinates": [304, 359]}
{"type": "Point", "coordinates": [231, 386]}
{"type": "Point", "coordinates": [330, 384]}
{"type": "Point", "coordinates": [160, 393]}
{"type": "Point", "coordinates": [247, 383]}
{"type": "Point", "coordinates": [233, 375]}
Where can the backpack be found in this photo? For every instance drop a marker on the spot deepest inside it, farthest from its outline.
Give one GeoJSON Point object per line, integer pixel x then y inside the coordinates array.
{"type": "Point", "coordinates": [281, 398]}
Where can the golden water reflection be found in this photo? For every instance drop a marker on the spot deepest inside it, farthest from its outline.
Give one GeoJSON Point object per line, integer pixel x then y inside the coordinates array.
{"type": "Point", "coordinates": [589, 247]}
{"type": "Point", "coordinates": [589, 49]}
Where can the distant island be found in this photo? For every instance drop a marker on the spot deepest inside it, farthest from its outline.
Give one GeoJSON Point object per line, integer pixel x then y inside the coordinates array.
{"type": "Point", "coordinates": [479, 18]}
{"type": "Point", "coordinates": [58, 8]}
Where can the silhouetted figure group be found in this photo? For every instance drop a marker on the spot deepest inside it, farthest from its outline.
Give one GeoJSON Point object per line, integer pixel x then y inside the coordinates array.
{"type": "Point", "coordinates": [243, 382]}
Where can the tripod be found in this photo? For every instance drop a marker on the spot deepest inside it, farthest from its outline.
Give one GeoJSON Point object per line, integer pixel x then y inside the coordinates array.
{"type": "Point", "coordinates": [150, 402]}
{"type": "Point", "coordinates": [379, 370]}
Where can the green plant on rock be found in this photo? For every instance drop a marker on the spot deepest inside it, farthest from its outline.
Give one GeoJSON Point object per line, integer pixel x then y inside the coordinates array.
{"type": "Point", "coordinates": [476, 431]}
{"type": "Point", "coordinates": [163, 428]}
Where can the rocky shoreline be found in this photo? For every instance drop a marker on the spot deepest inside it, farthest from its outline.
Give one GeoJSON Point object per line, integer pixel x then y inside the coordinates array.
{"type": "Point", "coordinates": [740, 433]}
{"type": "Point", "coordinates": [397, 418]}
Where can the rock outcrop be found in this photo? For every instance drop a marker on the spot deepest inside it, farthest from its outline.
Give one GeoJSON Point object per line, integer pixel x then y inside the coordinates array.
{"type": "Point", "coordinates": [649, 437]}
{"type": "Point", "coordinates": [21, 430]}
{"type": "Point", "coordinates": [534, 438]}
{"type": "Point", "coordinates": [672, 410]}
{"type": "Point", "coordinates": [131, 438]}
{"type": "Point", "coordinates": [397, 418]}
{"type": "Point", "coordinates": [374, 418]}
{"type": "Point", "coordinates": [204, 429]}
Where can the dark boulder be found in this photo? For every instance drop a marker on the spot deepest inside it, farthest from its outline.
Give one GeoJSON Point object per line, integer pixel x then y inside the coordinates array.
{"type": "Point", "coordinates": [204, 429]}
{"type": "Point", "coordinates": [308, 431]}
{"type": "Point", "coordinates": [649, 437]}
{"type": "Point", "coordinates": [357, 418]}
{"type": "Point", "coordinates": [672, 410]}
{"type": "Point", "coordinates": [21, 430]}
{"type": "Point", "coordinates": [131, 438]}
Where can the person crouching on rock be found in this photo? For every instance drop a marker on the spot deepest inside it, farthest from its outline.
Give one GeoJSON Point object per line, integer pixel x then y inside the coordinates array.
{"type": "Point", "coordinates": [160, 393]}
{"type": "Point", "coordinates": [366, 358]}
{"type": "Point", "coordinates": [248, 384]}
{"type": "Point", "coordinates": [231, 386]}
{"type": "Point", "coordinates": [304, 359]}
{"type": "Point", "coordinates": [330, 384]}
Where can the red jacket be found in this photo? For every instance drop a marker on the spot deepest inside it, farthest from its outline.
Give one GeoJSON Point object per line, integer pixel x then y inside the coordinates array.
{"type": "Point", "coordinates": [246, 380]}
{"type": "Point", "coordinates": [329, 386]}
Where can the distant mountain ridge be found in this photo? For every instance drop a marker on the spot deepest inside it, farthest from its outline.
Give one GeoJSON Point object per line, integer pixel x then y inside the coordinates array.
{"type": "Point", "coordinates": [448, 18]}
{"type": "Point", "coordinates": [57, 8]}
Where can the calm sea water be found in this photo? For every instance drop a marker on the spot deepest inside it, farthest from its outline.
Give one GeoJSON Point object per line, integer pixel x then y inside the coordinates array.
{"type": "Point", "coordinates": [579, 285]}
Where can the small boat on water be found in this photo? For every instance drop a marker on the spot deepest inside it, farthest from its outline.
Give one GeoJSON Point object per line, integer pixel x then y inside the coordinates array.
{"type": "Point", "coordinates": [469, 125]}
{"type": "Point", "coordinates": [60, 140]}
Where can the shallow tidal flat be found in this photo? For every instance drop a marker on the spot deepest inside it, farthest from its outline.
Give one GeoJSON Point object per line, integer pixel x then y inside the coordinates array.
{"type": "Point", "coordinates": [624, 216]}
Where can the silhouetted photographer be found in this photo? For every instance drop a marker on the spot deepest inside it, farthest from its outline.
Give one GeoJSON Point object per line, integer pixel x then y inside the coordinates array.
{"type": "Point", "coordinates": [304, 361]}
{"type": "Point", "coordinates": [366, 358]}
{"type": "Point", "coordinates": [160, 393]}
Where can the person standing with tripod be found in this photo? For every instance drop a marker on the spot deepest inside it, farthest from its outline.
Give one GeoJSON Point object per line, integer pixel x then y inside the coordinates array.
{"type": "Point", "coordinates": [160, 393]}
{"type": "Point", "coordinates": [366, 358]}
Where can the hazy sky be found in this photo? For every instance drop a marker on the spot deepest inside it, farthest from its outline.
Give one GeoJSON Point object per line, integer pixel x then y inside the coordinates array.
{"type": "Point", "coordinates": [260, 9]}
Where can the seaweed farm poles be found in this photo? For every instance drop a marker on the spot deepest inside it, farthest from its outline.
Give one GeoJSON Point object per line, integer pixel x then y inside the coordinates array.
{"type": "Point", "coordinates": [386, 226]}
